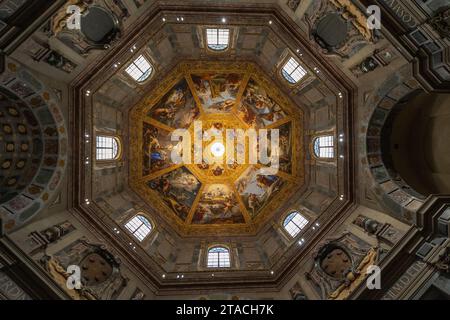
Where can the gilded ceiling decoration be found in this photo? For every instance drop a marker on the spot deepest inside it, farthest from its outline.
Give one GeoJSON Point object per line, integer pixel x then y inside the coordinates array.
{"type": "Point", "coordinates": [214, 197]}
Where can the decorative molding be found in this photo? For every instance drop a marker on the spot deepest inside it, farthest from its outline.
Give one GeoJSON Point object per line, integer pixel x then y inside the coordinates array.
{"type": "Point", "coordinates": [340, 266]}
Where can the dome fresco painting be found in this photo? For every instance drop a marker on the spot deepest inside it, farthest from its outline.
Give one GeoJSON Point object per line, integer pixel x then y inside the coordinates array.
{"type": "Point", "coordinates": [240, 150]}
{"type": "Point", "coordinates": [216, 193]}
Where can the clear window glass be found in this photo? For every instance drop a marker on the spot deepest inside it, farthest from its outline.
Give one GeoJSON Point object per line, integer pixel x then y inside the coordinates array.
{"type": "Point", "coordinates": [107, 148]}
{"type": "Point", "coordinates": [139, 227]}
{"type": "Point", "coordinates": [324, 147]}
{"type": "Point", "coordinates": [294, 223]}
{"type": "Point", "coordinates": [140, 69]}
{"type": "Point", "coordinates": [292, 71]}
{"type": "Point", "coordinates": [218, 257]}
{"type": "Point", "coordinates": [218, 39]}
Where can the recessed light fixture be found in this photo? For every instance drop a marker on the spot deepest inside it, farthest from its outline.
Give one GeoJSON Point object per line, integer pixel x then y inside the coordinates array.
{"type": "Point", "coordinates": [164, 276]}
{"type": "Point", "coordinates": [270, 22]}
{"type": "Point", "coordinates": [224, 20]}
{"type": "Point", "coordinates": [164, 19]}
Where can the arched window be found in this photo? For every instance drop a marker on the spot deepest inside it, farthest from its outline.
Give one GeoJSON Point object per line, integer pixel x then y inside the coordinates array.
{"type": "Point", "coordinates": [218, 39]}
{"type": "Point", "coordinates": [218, 257]}
{"type": "Point", "coordinates": [294, 223]}
{"type": "Point", "coordinates": [292, 71]}
{"type": "Point", "coordinates": [139, 227]}
{"type": "Point", "coordinates": [324, 147]}
{"type": "Point", "coordinates": [140, 69]}
{"type": "Point", "coordinates": [107, 148]}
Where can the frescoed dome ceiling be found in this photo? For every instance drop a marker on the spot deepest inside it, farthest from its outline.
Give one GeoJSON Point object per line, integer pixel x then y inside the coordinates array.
{"type": "Point", "coordinates": [192, 206]}
{"type": "Point", "coordinates": [215, 196]}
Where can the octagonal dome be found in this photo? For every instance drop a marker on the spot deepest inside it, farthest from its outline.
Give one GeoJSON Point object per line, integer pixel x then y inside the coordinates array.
{"type": "Point", "coordinates": [218, 196]}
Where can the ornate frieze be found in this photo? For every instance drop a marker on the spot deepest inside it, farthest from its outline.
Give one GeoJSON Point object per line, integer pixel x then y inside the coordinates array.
{"type": "Point", "coordinates": [402, 13]}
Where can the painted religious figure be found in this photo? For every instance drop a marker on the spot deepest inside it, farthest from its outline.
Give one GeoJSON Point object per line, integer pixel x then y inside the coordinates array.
{"type": "Point", "coordinates": [177, 109]}
{"type": "Point", "coordinates": [285, 153]}
{"type": "Point", "coordinates": [217, 92]}
{"type": "Point", "coordinates": [178, 189]}
{"type": "Point", "coordinates": [257, 109]}
{"type": "Point", "coordinates": [218, 205]}
{"type": "Point", "coordinates": [257, 190]}
{"type": "Point", "coordinates": [157, 148]}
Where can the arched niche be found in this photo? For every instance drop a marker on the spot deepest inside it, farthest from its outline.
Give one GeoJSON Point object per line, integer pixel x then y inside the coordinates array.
{"type": "Point", "coordinates": [34, 145]}
{"type": "Point", "coordinates": [416, 142]}
{"type": "Point", "coordinates": [406, 149]}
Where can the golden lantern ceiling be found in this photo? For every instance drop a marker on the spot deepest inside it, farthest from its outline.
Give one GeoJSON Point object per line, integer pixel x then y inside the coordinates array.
{"type": "Point", "coordinates": [213, 198]}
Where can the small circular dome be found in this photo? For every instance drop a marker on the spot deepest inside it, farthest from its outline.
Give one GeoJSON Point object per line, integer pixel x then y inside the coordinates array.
{"type": "Point", "coordinates": [19, 132]}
